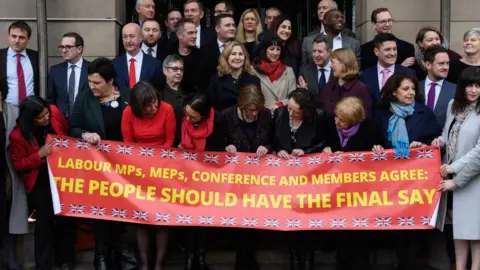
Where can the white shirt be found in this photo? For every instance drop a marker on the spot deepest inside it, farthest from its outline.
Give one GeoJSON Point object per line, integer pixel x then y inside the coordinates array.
{"type": "Point", "coordinates": [145, 50]}
{"type": "Point", "coordinates": [380, 74]}
{"type": "Point", "coordinates": [220, 45]}
{"type": "Point", "coordinates": [12, 78]}
{"type": "Point", "coordinates": [197, 42]}
{"type": "Point", "coordinates": [78, 72]}
{"type": "Point", "coordinates": [337, 42]}
{"type": "Point", "coordinates": [438, 88]}
{"type": "Point", "coordinates": [322, 29]}
{"type": "Point", "coordinates": [138, 64]}
{"type": "Point", "coordinates": [328, 71]}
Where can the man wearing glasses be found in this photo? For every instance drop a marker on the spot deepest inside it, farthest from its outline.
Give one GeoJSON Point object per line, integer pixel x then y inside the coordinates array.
{"type": "Point", "coordinates": [66, 80]}
{"type": "Point", "coordinates": [382, 22]}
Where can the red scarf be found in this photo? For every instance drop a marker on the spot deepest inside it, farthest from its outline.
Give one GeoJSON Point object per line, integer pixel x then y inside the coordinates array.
{"type": "Point", "coordinates": [273, 69]}
{"type": "Point", "coordinates": [195, 138]}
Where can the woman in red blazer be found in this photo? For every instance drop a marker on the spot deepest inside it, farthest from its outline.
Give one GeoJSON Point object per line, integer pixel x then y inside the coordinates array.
{"type": "Point", "coordinates": [29, 149]}
{"type": "Point", "coordinates": [149, 121]}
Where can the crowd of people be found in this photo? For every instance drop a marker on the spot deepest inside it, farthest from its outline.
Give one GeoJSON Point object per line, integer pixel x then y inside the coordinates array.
{"type": "Point", "coordinates": [243, 87]}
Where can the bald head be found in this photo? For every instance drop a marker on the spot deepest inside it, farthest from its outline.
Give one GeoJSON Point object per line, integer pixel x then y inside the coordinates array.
{"type": "Point", "coordinates": [132, 38]}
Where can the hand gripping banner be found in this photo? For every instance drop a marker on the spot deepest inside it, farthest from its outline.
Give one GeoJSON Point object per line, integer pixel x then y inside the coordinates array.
{"type": "Point", "coordinates": [174, 187]}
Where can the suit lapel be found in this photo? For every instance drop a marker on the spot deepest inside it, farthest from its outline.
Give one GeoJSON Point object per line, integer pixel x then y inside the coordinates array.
{"type": "Point", "coordinates": [377, 87]}
{"type": "Point", "coordinates": [83, 76]}
{"type": "Point", "coordinates": [143, 69]}
{"type": "Point", "coordinates": [443, 99]}
{"type": "Point", "coordinates": [65, 77]}
{"type": "Point", "coordinates": [123, 70]}
{"type": "Point", "coordinates": [421, 89]}
{"type": "Point", "coordinates": [96, 108]}
{"type": "Point", "coordinates": [3, 70]}
{"type": "Point", "coordinates": [313, 80]}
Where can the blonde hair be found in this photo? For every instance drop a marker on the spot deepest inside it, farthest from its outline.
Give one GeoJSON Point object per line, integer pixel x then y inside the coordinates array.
{"type": "Point", "coordinates": [241, 35]}
{"type": "Point", "coordinates": [224, 68]}
{"type": "Point", "coordinates": [350, 66]}
{"type": "Point", "coordinates": [352, 109]}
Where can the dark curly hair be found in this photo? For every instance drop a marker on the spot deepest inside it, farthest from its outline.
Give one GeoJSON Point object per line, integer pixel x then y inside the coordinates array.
{"type": "Point", "coordinates": [305, 100]}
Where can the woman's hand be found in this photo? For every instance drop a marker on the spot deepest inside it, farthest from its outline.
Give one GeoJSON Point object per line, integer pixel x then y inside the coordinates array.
{"type": "Point", "coordinates": [302, 83]}
{"type": "Point", "coordinates": [231, 149]}
{"type": "Point", "coordinates": [416, 144]}
{"type": "Point", "coordinates": [45, 150]}
{"type": "Point", "coordinates": [91, 138]}
{"type": "Point", "coordinates": [273, 108]}
{"type": "Point", "coordinates": [445, 170]}
{"type": "Point", "coordinates": [283, 154]}
{"type": "Point", "coordinates": [261, 151]}
{"type": "Point", "coordinates": [408, 62]}
{"type": "Point", "coordinates": [327, 150]}
{"type": "Point", "coordinates": [437, 142]}
{"type": "Point", "coordinates": [298, 152]}
{"type": "Point", "coordinates": [377, 148]}
{"type": "Point", "coordinates": [447, 185]}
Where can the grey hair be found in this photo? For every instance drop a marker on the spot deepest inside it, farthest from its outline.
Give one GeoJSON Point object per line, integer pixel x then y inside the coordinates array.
{"type": "Point", "coordinates": [323, 39]}
{"type": "Point", "coordinates": [139, 3]}
{"type": "Point", "coordinates": [171, 58]}
{"type": "Point", "coordinates": [334, 4]}
{"type": "Point", "coordinates": [180, 26]}
{"type": "Point", "coordinates": [472, 32]}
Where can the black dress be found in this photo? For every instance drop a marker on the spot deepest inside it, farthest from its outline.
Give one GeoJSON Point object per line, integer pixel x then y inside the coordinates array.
{"type": "Point", "coordinates": [456, 69]}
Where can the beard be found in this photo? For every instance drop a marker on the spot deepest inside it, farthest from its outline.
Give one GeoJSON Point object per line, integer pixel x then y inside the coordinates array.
{"type": "Point", "coordinates": [150, 44]}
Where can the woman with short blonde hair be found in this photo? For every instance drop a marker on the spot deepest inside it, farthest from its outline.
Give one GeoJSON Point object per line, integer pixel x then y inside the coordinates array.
{"type": "Point", "coordinates": [349, 65]}
{"type": "Point", "coordinates": [248, 30]}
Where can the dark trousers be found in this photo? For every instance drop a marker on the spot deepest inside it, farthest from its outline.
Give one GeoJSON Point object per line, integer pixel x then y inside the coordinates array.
{"type": "Point", "coordinates": [245, 246]}
{"type": "Point", "coordinates": [66, 238]}
{"type": "Point", "coordinates": [40, 200]}
{"type": "Point", "coordinates": [353, 250]}
{"type": "Point", "coordinates": [408, 244]}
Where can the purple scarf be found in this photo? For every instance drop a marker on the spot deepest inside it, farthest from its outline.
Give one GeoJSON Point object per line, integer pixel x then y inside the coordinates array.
{"type": "Point", "coordinates": [346, 134]}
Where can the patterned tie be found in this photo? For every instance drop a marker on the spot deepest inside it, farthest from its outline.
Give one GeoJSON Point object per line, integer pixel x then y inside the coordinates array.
{"type": "Point", "coordinates": [71, 90]}
{"type": "Point", "coordinates": [150, 51]}
{"type": "Point", "coordinates": [322, 80]}
{"type": "Point", "coordinates": [22, 87]}
{"type": "Point", "coordinates": [384, 77]}
{"type": "Point", "coordinates": [431, 95]}
{"type": "Point", "coordinates": [132, 77]}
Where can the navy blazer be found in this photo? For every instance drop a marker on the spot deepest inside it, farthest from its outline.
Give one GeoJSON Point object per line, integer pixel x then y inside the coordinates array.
{"type": "Point", "coordinates": [370, 78]}
{"type": "Point", "coordinates": [151, 70]}
{"type": "Point", "coordinates": [447, 92]}
{"type": "Point", "coordinates": [405, 50]}
{"type": "Point", "coordinates": [422, 125]}
{"type": "Point", "coordinates": [57, 91]}
{"type": "Point", "coordinates": [33, 56]}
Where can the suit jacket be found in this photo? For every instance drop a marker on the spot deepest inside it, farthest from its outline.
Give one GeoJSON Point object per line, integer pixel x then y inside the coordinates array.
{"type": "Point", "coordinates": [207, 34]}
{"type": "Point", "coordinates": [87, 113]}
{"type": "Point", "coordinates": [151, 70]}
{"type": "Point", "coordinates": [345, 32]}
{"type": "Point", "coordinates": [33, 56]}
{"type": "Point", "coordinates": [310, 75]}
{"type": "Point", "coordinates": [278, 90]}
{"type": "Point", "coordinates": [370, 78]}
{"type": "Point", "coordinates": [210, 54]}
{"type": "Point", "coordinates": [447, 92]}
{"type": "Point", "coordinates": [347, 42]}
{"type": "Point", "coordinates": [404, 50]}
{"type": "Point", "coordinates": [223, 91]}
{"type": "Point", "coordinates": [57, 91]}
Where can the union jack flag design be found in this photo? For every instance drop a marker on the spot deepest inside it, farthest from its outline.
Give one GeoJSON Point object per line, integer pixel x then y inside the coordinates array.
{"type": "Point", "coordinates": [61, 143]}
{"type": "Point", "coordinates": [139, 215]}
{"type": "Point", "coordinates": [211, 158]}
{"type": "Point", "coordinates": [165, 153]}
{"type": "Point", "coordinates": [104, 147]}
{"type": "Point", "coordinates": [425, 153]}
{"type": "Point", "coordinates": [229, 159]}
{"type": "Point", "coordinates": [293, 223]}
{"type": "Point", "coordinates": [378, 156]}
{"type": "Point", "coordinates": [146, 152]}
{"type": "Point", "coordinates": [228, 221]}
{"type": "Point", "coordinates": [271, 223]}
{"type": "Point", "coordinates": [360, 222]}
{"type": "Point", "coordinates": [335, 159]}
{"type": "Point", "coordinates": [314, 160]}
{"type": "Point", "coordinates": [79, 144]}
{"type": "Point", "coordinates": [356, 157]}
{"type": "Point", "coordinates": [207, 220]}
{"type": "Point", "coordinates": [189, 156]}
{"type": "Point", "coordinates": [119, 213]}
{"type": "Point", "coordinates": [125, 150]}
{"type": "Point", "coordinates": [62, 206]}
{"type": "Point", "coordinates": [98, 211]}
{"type": "Point", "coordinates": [252, 161]}
{"type": "Point", "coordinates": [76, 208]}
{"type": "Point", "coordinates": [426, 220]}
{"type": "Point", "coordinates": [400, 156]}
{"type": "Point", "coordinates": [338, 223]}
{"type": "Point", "coordinates": [316, 223]}
{"type": "Point", "coordinates": [273, 161]}
{"type": "Point", "coordinates": [250, 222]}
{"type": "Point", "coordinates": [184, 219]}
{"type": "Point", "coordinates": [162, 217]}
{"type": "Point", "coordinates": [406, 221]}
{"type": "Point", "coordinates": [383, 222]}
{"type": "Point", "coordinates": [294, 161]}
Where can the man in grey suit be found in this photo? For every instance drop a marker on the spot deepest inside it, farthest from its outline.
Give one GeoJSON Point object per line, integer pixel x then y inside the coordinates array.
{"type": "Point", "coordinates": [333, 23]}
{"type": "Point", "coordinates": [436, 90]}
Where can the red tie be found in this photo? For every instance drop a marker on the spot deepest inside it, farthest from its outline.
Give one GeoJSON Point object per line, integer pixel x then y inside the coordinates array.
{"type": "Point", "coordinates": [22, 88]}
{"type": "Point", "coordinates": [132, 77]}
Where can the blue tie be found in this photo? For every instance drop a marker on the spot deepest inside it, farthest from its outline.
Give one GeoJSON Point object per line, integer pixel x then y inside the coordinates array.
{"type": "Point", "coordinates": [71, 90]}
{"type": "Point", "coordinates": [322, 81]}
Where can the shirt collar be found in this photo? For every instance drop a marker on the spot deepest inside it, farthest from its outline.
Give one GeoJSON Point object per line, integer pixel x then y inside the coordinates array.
{"type": "Point", "coordinates": [145, 48]}
{"type": "Point", "coordinates": [339, 37]}
{"type": "Point", "coordinates": [322, 29]}
{"type": "Point", "coordinates": [138, 57]}
{"type": "Point", "coordinates": [428, 82]}
{"type": "Point", "coordinates": [78, 64]}
{"type": "Point", "coordinates": [199, 28]}
{"type": "Point", "coordinates": [390, 68]}
{"type": "Point", "coordinates": [13, 53]}
{"type": "Point", "coordinates": [220, 44]}
{"type": "Point", "coordinates": [328, 67]}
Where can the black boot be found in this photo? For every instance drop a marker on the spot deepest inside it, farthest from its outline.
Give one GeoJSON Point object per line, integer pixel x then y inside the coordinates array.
{"type": "Point", "coordinates": [100, 234]}
{"type": "Point", "coordinates": [295, 260]}
{"type": "Point", "coordinates": [100, 262]}
{"type": "Point", "coordinates": [309, 261]}
{"type": "Point", "coordinates": [189, 260]}
{"type": "Point", "coordinates": [202, 265]}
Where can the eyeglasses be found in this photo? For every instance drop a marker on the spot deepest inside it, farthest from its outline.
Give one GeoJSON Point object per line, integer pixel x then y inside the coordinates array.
{"type": "Point", "coordinates": [67, 47]}
{"type": "Point", "coordinates": [176, 69]}
{"type": "Point", "coordinates": [383, 22]}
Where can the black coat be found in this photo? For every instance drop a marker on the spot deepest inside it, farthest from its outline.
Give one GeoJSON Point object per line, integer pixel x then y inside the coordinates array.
{"type": "Point", "coordinates": [33, 56]}
{"type": "Point", "coordinates": [223, 91]}
{"type": "Point", "coordinates": [367, 136]}
{"type": "Point", "coordinates": [217, 141]}
{"type": "Point", "coordinates": [236, 135]}
{"type": "Point", "coordinates": [310, 136]}
{"type": "Point", "coordinates": [210, 54]}
{"type": "Point", "coordinates": [192, 65]}
{"type": "Point", "coordinates": [404, 51]}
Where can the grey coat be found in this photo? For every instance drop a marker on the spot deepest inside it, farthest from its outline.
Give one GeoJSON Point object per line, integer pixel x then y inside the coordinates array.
{"type": "Point", "coordinates": [446, 94]}
{"type": "Point", "coordinates": [347, 42]}
{"type": "Point", "coordinates": [278, 90]}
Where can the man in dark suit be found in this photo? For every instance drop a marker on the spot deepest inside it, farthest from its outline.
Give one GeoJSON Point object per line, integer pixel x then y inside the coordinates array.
{"type": "Point", "coordinates": [315, 75]}
{"type": "Point", "coordinates": [382, 22]}
{"type": "Point", "coordinates": [69, 78]}
{"type": "Point", "coordinates": [225, 29]}
{"type": "Point", "coordinates": [134, 65]}
{"type": "Point", "coordinates": [145, 10]}
{"type": "Point", "coordinates": [437, 91]}
{"type": "Point", "coordinates": [173, 16]}
{"type": "Point", "coordinates": [375, 77]}
{"type": "Point", "coordinates": [155, 43]}
{"type": "Point", "coordinates": [222, 7]}
{"type": "Point", "coordinates": [322, 8]}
